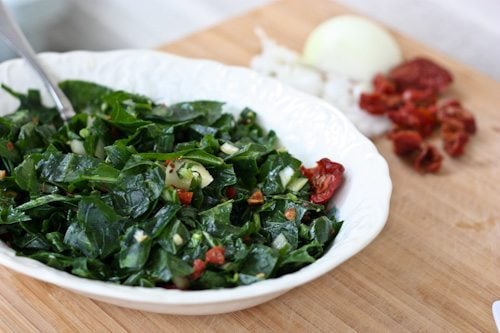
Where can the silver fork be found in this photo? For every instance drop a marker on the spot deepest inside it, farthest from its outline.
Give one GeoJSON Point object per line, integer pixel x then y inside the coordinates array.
{"type": "Point", "coordinates": [13, 35]}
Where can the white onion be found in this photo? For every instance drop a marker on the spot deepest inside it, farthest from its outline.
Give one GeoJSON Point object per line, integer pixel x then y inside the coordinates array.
{"type": "Point", "coordinates": [77, 147]}
{"type": "Point", "coordinates": [338, 89]}
{"type": "Point", "coordinates": [229, 149]}
{"type": "Point", "coordinates": [297, 184]}
{"type": "Point", "coordinates": [286, 175]}
{"type": "Point", "coordinates": [352, 46]}
{"type": "Point", "coordinates": [190, 168]}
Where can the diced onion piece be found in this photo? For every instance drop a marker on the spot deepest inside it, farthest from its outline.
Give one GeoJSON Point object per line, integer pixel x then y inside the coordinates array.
{"type": "Point", "coordinates": [140, 236]}
{"type": "Point", "coordinates": [286, 175]}
{"type": "Point", "coordinates": [180, 173]}
{"type": "Point", "coordinates": [286, 65]}
{"type": "Point", "coordinates": [90, 121]}
{"type": "Point", "coordinates": [77, 147]}
{"type": "Point", "coordinates": [280, 242]}
{"type": "Point", "coordinates": [229, 149]}
{"type": "Point", "coordinates": [352, 46]}
{"type": "Point", "coordinates": [99, 149]}
{"type": "Point", "coordinates": [178, 239]}
{"type": "Point", "coordinates": [206, 177]}
{"type": "Point", "coordinates": [297, 184]}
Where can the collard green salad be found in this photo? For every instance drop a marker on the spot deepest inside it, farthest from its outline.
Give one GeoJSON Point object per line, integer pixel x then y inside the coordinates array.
{"type": "Point", "coordinates": [143, 194]}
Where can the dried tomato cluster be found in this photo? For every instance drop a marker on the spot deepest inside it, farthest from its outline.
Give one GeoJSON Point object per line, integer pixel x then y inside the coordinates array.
{"type": "Point", "coordinates": [408, 95]}
{"type": "Point", "coordinates": [324, 178]}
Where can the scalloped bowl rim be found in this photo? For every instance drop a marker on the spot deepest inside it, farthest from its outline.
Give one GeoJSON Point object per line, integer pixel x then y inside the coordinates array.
{"type": "Point", "coordinates": [106, 290]}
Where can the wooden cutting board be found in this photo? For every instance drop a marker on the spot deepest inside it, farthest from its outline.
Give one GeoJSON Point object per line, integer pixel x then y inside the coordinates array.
{"type": "Point", "coordinates": [435, 266]}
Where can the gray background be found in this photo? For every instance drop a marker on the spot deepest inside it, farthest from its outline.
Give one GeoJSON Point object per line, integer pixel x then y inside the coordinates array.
{"type": "Point", "coordinates": [464, 29]}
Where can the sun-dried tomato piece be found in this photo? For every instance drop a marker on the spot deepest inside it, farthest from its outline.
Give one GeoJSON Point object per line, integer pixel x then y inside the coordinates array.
{"type": "Point", "coordinates": [428, 159]}
{"type": "Point", "coordinates": [378, 104]}
{"type": "Point", "coordinates": [185, 197]}
{"type": "Point", "coordinates": [405, 117]}
{"type": "Point", "coordinates": [406, 142]}
{"type": "Point", "coordinates": [257, 198]}
{"type": "Point", "coordinates": [421, 119]}
{"type": "Point", "coordinates": [382, 85]}
{"type": "Point", "coordinates": [455, 137]}
{"type": "Point", "coordinates": [420, 73]}
{"type": "Point", "coordinates": [198, 269]}
{"type": "Point", "coordinates": [290, 214]}
{"type": "Point", "coordinates": [326, 165]}
{"type": "Point", "coordinates": [456, 146]}
{"type": "Point", "coordinates": [422, 97]}
{"type": "Point", "coordinates": [10, 146]}
{"type": "Point", "coordinates": [325, 178]}
{"type": "Point", "coordinates": [215, 256]}
{"type": "Point", "coordinates": [453, 109]}
{"type": "Point", "coordinates": [231, 192]}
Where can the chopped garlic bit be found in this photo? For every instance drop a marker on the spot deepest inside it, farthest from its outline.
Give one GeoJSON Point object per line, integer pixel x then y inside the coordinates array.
{"type": "Point", "coordinates": [229, 149]}
{"type": "Point", "coordinates": [140, 236]}
{"type": "Point", "coordinates": [260, 276]}
{"type": "Point", "coordinates": [178, 239]}
{"type": "Point", "coordinates": [286, 175]}
{"type": "Point", "coordinates": [297, 184]}
{"type": "Point", "coordinates": [77, 147]}
{"type": "Point", "coordinates": [287, 66]}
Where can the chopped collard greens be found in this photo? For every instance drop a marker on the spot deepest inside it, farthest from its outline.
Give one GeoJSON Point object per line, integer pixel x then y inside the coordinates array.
{"type": "Point", "coordinates": [144, 194]}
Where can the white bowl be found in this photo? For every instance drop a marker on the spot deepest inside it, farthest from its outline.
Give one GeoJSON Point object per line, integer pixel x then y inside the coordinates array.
{"type": "Point", "coordinates": [307, 126]}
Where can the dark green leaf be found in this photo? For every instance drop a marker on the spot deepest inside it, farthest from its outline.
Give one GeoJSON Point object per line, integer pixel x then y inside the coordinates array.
{"type": "Point", "coordinates": [164, 266]}
{"type": "Point", "coordinates": [196, 155]}
{"type": "Point", "coordinates": [135, 248]}
{"type": "Point", "coordinates": [260, 260]}
{"type": "Point", "coordinates": [216, 221]}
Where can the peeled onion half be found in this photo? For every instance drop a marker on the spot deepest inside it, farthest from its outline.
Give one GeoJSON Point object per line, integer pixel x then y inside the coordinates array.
{"type": "Point", "coordinates": [352, 46]}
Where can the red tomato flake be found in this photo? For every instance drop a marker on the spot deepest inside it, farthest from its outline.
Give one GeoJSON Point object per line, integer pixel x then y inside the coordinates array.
{"type": "Point", "coordinates": [409, 116]}
{"type": "Point", "coordinates": [420, 73]}
{"type": "Point", "coordinates": [454, 137]}
{"type": "Point", "coordinates": [257, 198]}
{"type": "Point", "coordinates": [419, 96]}
{"type": "Point", "coordinates": [290, 214]}
{"type": "Point", "coordinates": [406, 142]}
{"type": "Point", "coordinates": [325, 178]}
{"type": "Point", "coordinates": [185, 197]}
{"type": "Point", "coordinates": [383, 85]}
{"type": "Point", "coordinates": [452, 109]}
{"type": "Point", "coordinates": [9, 146]}
{"type": "Point", "coordinates": [428, 159]}
{"type": "Point", "coordinates": [378, 104]}
{"type": "Point", "coordinates": [215, 256]}
{"type": "Point", "coordinates": [198, 269]}
{"type": "Point", "coordinates": [231, 192]}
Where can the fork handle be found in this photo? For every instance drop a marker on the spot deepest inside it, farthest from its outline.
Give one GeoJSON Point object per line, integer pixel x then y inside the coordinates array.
{"type": "Point", "coordinates": [13, 35]}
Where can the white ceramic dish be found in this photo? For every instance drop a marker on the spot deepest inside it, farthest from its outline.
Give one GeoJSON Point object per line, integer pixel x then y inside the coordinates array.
{"type": "Point", "coordinates": [308, 127]}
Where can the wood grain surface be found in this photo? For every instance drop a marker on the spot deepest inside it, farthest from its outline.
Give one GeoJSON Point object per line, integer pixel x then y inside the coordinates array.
{"type": "Point", "coordinates": [435, 266]}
